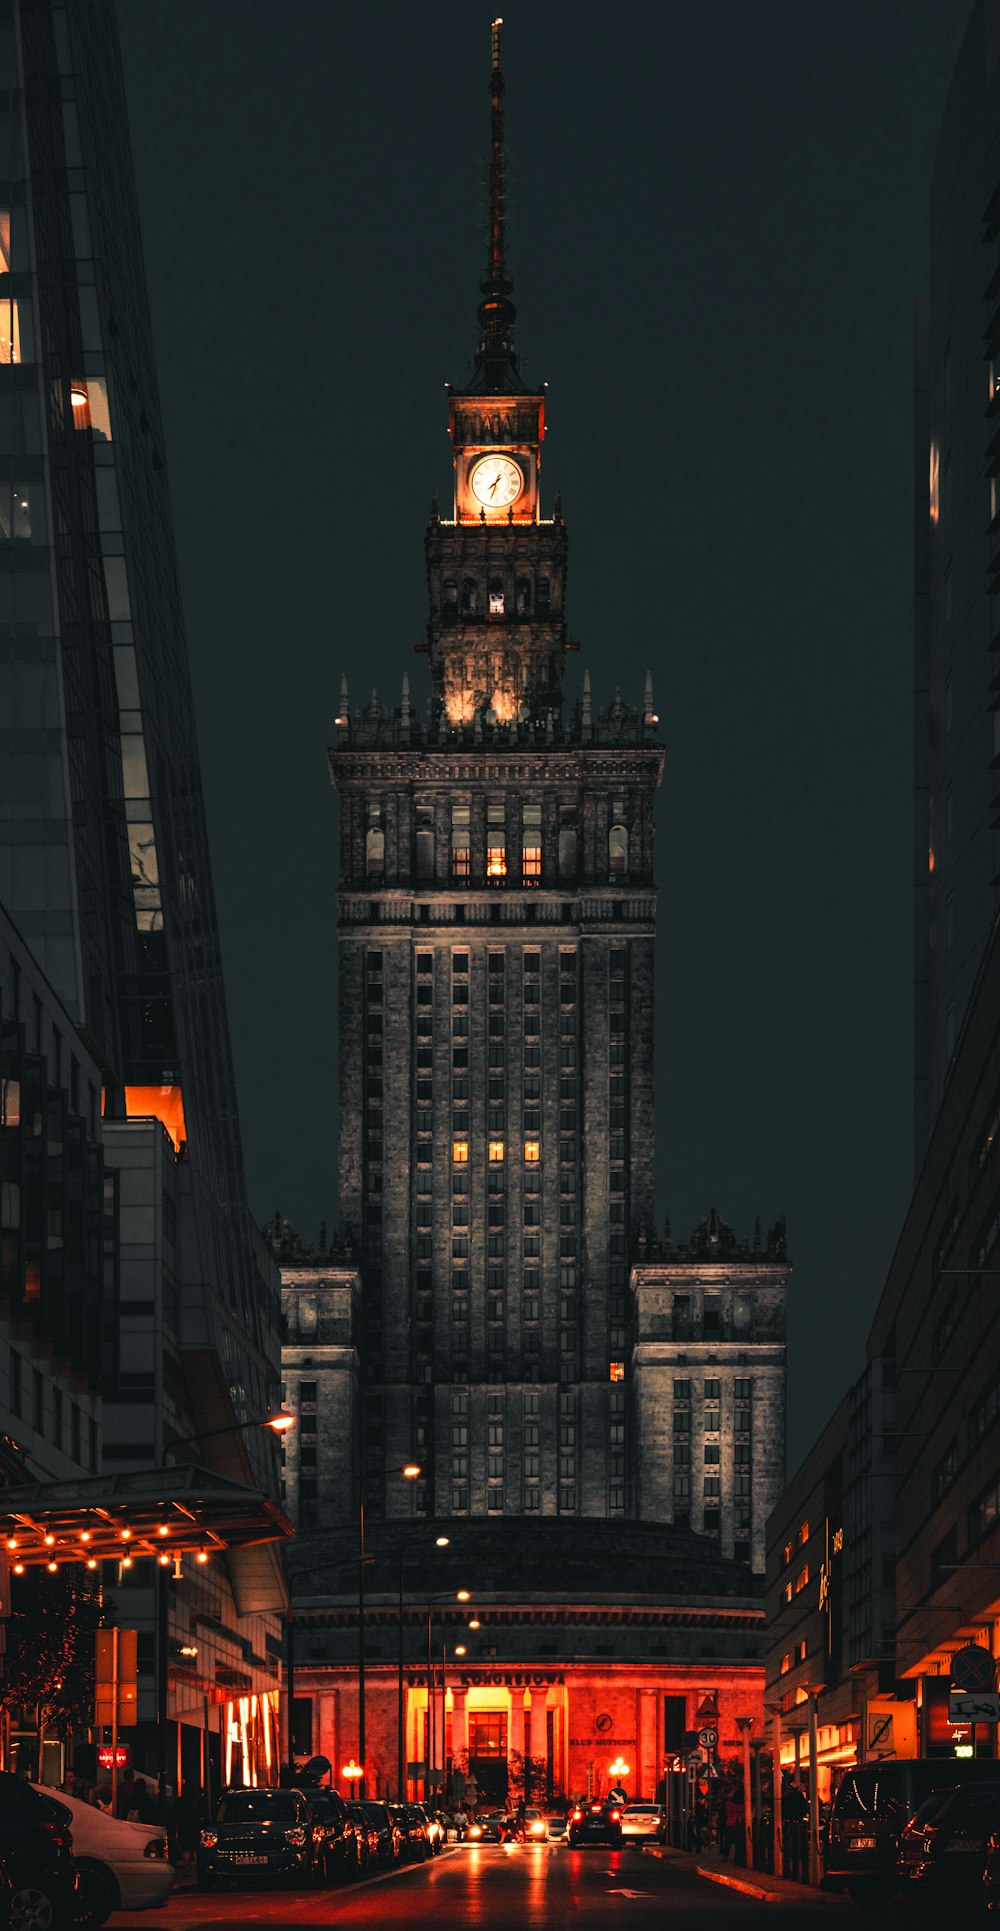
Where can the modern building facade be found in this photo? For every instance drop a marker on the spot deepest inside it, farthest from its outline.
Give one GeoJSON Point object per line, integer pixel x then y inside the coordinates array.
{"type": "Point", "coordinates": [104, 863]}
{"type": "Point", "coordinates": [957, 584]}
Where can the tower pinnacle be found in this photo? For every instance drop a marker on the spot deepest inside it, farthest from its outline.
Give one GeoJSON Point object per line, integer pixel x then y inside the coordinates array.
{"type": "Point", "coordinates": [496, 311]}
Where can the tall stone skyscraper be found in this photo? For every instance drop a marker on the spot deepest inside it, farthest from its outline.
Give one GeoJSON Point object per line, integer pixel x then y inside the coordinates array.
{"type": "Point", "coordinates": [496, 909]}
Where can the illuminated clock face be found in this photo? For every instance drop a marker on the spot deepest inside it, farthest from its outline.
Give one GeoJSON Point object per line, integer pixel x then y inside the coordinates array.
{"type": "Point", "coordinates": [497, 482]}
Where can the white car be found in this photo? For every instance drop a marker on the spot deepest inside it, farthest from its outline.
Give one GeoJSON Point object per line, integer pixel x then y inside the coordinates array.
{"type": "Point", "coordinates": [121, 1866]}
{"type": "Point", "coordinates": [643, 1820]}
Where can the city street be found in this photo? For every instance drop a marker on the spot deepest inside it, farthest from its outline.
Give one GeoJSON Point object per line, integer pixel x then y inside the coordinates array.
{"type": "Point", "coordinates": [540, 1887]}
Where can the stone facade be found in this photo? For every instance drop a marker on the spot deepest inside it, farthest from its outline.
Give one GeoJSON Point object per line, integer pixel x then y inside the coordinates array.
{"type": "Point", "coordinates": [707, 1385]}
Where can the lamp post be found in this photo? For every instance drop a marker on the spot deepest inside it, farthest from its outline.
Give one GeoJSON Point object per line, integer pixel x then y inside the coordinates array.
{"type": "Point", "coordinates": [411, 1473]}
{"type": "Point", "coordinates": [461, 1595]}
{"type": "Point", "coordinates": [279, 1423]}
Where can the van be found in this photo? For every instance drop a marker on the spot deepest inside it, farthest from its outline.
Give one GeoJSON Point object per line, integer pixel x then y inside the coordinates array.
{"type": "Point", "coordinates": [874, 1804]}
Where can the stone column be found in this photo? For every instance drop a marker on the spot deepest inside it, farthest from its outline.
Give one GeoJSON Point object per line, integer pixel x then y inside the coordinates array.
{"type": "Point", "coordinates": [538, 1732]}
{"type": "Point", "coordinates": [459, 1723]}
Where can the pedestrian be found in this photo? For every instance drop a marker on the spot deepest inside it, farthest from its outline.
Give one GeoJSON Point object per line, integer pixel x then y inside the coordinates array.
{"type": "Point", "coordinates": [735, 1831]}
{"type": "Point", "coordinates": [461, 1822]}
{"type": "Point", "coordinates": [794, 1812]}
{"type": "Point", "coordinates": [102, 1798]}
{"type": "Point", "coordinates": [189, 1816]}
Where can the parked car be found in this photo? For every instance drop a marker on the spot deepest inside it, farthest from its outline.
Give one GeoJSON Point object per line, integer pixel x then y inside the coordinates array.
{"type": "Point", "coordinates": [435, 1826]}
{"type": "Point", "coordinates": [390, 1837]}
{"type": "Point", "coordinates": [258, 1833]}
{"type": "Point", "coordinates": [558, 1828]}
{"type": "Point", "coordinates": [644, 1821]}
{"type": "Point", "coordinates": [119, 1866]}
{"type": "Point", "coordinates": [365, 1836]}
{"type": "Point", "coordinates": [942, 1850]}
{"type": "Point", "coordinates": [334, 1832]}
{"type": "Point", "coordinates": [37, 1876]}
{"type": "Point", "coordinates": [412, 1824]}
{"type": "Point", "coordinates": [871, 1810]}
{"type": "Point", "coordinates": [536, 1828]}
{"type": "Point", "coordinates": [595, 1823]}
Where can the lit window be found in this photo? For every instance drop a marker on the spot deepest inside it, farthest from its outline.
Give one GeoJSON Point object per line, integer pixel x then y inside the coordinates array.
{"type": "Point", "coordinates": [460, 1152]}
{"type": "Point", "coordinates": [786, 1662]}
{"type": "Point", "coordinates": [786, 1555]}
{"type": "Point", "coordinates": [803, 1535]}
{"type": "Point", "coordinates": [618, 841]}
{"type": "Point", "coordinates": [495, 1151]}
{"type": "Point", "coordinates": [496, 842]}
{"type": "Point", "coordinates": [532, 1150]}
{"type": "Point", "coordinates": [531, 844]}
{"type": "Point", "coordinates": [617, 1371]}
{"type": "Point", "coordinates": [461, 856]}
{"type": "Point", "coordinates": [802, 1579]}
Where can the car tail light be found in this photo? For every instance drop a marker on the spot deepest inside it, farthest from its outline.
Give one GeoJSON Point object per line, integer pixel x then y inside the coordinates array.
{"type": "Point", "coordinates": [296, 1835]}
{"type": "Point", "coordinates": [577, 1816]}
{"type": "Point", "coordinates": [157, 1846]}
{"type": "Point", "coordinates": [209, 1839]}
{"type": "Point", "coordinates": [595, 1810]}
{"type": "Point", "coordinates": [616, 1816]}
{"type": "Point", "coordinates": [57, 1834]}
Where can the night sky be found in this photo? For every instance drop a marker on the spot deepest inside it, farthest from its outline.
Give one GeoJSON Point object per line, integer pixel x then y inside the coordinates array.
{"type": "Point", "coordinates": [719, 228]}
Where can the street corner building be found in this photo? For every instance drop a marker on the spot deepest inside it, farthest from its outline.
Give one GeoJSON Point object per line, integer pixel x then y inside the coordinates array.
{"type": "Point", "coordinates": [139, 1305]}
{"type": "Point", "coordinates": [593, 1418]}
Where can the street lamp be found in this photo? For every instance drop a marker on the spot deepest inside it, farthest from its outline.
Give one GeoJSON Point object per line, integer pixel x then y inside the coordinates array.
{"type": "Point", "coordinates": [461, 1595]}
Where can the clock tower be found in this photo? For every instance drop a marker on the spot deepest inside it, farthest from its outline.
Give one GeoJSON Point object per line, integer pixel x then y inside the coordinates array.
{"type": "Point", "coordinates": [497, 572]}
{"type": "Point", "coordinates": [496, 926]}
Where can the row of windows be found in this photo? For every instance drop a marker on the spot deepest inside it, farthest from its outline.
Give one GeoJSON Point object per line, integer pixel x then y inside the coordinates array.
{"type": "Point", "coordinates": [532, 597]}
{"type": "Point", "coordinates": [57, 1419]}
{"type": "Point", "coordinates": [499, 861]}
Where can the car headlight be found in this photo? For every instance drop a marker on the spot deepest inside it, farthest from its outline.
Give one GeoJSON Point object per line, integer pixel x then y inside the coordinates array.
{"type": "Point", "coordinates": [475, 1830]}
{"type": "Point", "coordinates": [209, 1839]}
{"type": "Point", "coordinates": [538, 1830]}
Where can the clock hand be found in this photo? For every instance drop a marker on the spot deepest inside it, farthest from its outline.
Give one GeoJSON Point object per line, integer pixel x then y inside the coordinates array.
{"type": "Point", "coordinates": [494, 485]}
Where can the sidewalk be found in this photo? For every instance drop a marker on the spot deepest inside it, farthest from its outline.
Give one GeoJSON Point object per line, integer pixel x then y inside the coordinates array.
{"type": "Point", "coordinates": [736, 1877]}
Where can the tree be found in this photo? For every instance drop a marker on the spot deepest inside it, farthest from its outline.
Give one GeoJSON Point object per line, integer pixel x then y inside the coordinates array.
{"type": "Point", "coordinates": [50, 1660]}
{"type": "Point", "coordinates": [526, 1777]}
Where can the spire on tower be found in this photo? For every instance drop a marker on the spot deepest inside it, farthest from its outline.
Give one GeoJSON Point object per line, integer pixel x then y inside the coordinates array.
{"type": "Point", "coordinates": [496, 310]}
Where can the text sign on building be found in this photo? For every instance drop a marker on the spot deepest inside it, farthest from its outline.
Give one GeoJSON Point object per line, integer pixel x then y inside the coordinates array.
{"type": "Point", "coordinates": [106, 1756]}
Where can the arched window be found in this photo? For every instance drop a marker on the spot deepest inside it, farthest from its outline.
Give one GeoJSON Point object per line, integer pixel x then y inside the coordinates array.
{"type": "Point", "coordinates": [449, 600]}
{"type": "Point", "coordinates": [542, 596]}
{"type": "Point", "coordinates": [375, 851]}
{"type": "Point", "coordinates": [618, 851]}
{"type": "Point", "coordinates": [425, 841]}
{"type": "Point", "coordinates": [496, 597]}
{"type": "Point", "coordinates": [469, 597]}
{"type": "Point", "coordinates": [523, 597]}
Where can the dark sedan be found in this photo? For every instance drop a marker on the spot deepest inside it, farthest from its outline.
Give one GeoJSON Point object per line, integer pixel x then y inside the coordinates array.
{"type": "Point", "coordinates": [943, 1849]}
{"type": "Point", "coordinates": [414, 1829]}
{"type": "Point", "coordinates": [365, 1836]}
{"type": "Point", "coordinates": [259, 1833]}
{"type": "Point", "coordinates": [336, 1850]}
{"type": "Point", "coordinates": [595, 1823]}
{"type": "Point", "coordinates": [37, 1877]}
{"type": "Point", "coordinates": [390, 1837]}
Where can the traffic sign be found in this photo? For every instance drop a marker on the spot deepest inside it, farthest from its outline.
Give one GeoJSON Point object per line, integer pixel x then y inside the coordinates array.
{"type": "Point", "coordinates": [708, 1710]}
{"type": "Point", "coordinates": [974, 1706]}
{"type": "Point", "coordinates": [973, 1668]}
{"type": "Point", "coordinates": [708, 1739]}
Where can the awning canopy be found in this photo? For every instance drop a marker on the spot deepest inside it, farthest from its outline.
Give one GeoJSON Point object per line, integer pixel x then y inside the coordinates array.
{"type": "Point", "coordinates": [157, 1512]}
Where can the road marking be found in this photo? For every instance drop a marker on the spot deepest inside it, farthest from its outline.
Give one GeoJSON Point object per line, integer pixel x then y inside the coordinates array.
{"type": "Point", "coordinates": [620, 1893]}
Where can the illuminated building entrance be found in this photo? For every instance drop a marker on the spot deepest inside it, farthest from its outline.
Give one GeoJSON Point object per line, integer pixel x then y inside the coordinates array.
{"type": "Point", "coordinates": [488, 1753]}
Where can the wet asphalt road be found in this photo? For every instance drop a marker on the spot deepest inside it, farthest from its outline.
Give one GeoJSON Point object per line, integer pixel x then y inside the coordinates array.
{"type": "Point", "coordinates": [494, 1888]}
